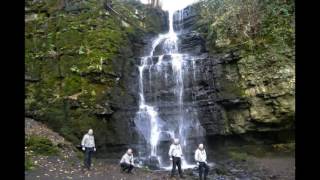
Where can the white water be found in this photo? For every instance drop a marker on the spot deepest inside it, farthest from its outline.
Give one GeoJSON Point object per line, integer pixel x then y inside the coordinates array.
{"type": "Point", "coordinates": [173, 5]}
{"type": "Point", "coordinates": [148, 122]}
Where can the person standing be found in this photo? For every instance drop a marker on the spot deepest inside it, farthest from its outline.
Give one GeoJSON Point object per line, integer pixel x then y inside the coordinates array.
{"type": "Point", "coordinates": [88, 145]}
{"type": "Point", "coordinates": [175, 154]}
{"type": "Point", "coordinates": [126, 162]}
{"type": "Point", "coordinates": [201, 159]}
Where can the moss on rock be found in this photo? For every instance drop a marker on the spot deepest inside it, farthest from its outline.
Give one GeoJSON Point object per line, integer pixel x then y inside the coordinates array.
{"type": "Point", "coordinates": [73, 52]}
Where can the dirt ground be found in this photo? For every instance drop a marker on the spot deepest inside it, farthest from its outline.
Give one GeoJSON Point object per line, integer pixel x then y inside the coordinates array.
{"type": "Point", "coordinates": [68, 165]}
{"type": "Point", "coordinates": [282, 168]}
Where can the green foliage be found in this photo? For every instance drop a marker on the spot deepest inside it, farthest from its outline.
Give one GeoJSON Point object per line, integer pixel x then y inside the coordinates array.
{"type": "Point", "coordinates": [70, 51]}
{"type": "Point", "coordinates": [255, 25]}
{"type": "Point", "coordinates": [72, 84]}
{"type": "Point", "coordinates": [41, 145]}
{"type": "Point", "coordinates": [147, 17]}
{"type": "Point", "coordinates": [232, 20]}
{"type": "Point", "coordinates": [289, 147]}
{"type": "Point", "coordinates": [55, 116]}
{"type": "Point", "coordinates": [28, 164]}
{"type": "Point", "coordinates": [68, 132]}
{"type": "Point", "coordinates": [238, 156]}
{"type": "Point", "coordinates": [80, 155]}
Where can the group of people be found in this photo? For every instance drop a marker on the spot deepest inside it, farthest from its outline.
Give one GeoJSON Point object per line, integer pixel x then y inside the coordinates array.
{"type": "Point", "coordinates": [200, 156]}
{"type": "Point", "coordinates": [127, 160]}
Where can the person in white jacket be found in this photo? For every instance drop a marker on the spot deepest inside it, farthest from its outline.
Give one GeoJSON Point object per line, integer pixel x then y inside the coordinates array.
{"type": "Point", "coordinates": [126, 162]}
{"type": "Point", "coordinates": [88, 146]}
{"type": "Point", "coordinates": [200, 157]}
{"type": "Point", "coordinates": [175, 154]}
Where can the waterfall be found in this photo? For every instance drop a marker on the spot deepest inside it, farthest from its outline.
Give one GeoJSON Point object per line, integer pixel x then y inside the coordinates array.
{"type": "Point", "coordinates": [169, 69]}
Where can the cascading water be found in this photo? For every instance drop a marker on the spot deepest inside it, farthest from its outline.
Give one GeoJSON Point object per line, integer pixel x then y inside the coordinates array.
{"type": "Point", "coordinates": [170, 68]}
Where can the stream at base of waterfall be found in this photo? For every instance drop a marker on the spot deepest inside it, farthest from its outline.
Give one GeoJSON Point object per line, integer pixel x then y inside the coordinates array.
{"type": "Point", "coordinates": [164, 69]}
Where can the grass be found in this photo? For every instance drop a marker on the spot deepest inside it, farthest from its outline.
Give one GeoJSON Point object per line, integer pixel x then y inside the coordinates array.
{"type": "Point", "coordinates": [37, 145]}
{"type": "Point", "coordinates": [290, 147]}
{"type": "Point", "coordinates": [238, 156]}
{"type": "Point", "coordinates": [41, 146]}
{"type": "Point", "coordinates": [80, 154]}
{"type": "Point", "coordinates": [28, 164]}
{"type": "Point", "coordinates": [256, 150]}
{"type": "Point", "coordinates": [243, 153]}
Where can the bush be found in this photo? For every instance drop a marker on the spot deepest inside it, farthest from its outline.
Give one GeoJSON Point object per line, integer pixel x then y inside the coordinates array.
{"type": "Point", "coordinates": [41, 146]}
{"type": "Point", "coordinates": [251, 24]}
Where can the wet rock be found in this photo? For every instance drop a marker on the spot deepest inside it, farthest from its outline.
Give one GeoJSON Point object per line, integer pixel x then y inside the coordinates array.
{"type": "Point", "coordinates": [273, 176]}
{"type": "Point", "coordinates": [153, 163]}
{"type": "Point", "coordinates": [192, 43]}
{"type": "Point", "coordinates": [103, 111]}
{"type": "Point", "coordinates": [227, 87]}
{"type": "Point", "coordinates": [187, 19]}
{"type": "Point", "coordinates": [221, 170]}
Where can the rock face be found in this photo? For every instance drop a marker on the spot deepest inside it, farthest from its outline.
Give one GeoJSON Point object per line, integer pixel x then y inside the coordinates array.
{"type": "Point", "coordinates": [81, 67]}
{"type": "Point", "coordinates": [229, 92]}
{"type": "Point", "coordinates": [233, 93]}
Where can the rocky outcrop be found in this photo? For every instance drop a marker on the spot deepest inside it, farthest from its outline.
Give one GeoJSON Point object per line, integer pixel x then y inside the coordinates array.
{"type": "Point", "coordinates": [229, 92]}
{"type": "Point", "coordinates": [81, 67]}
{"type": "Point", "coordinates": [237, 93]}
